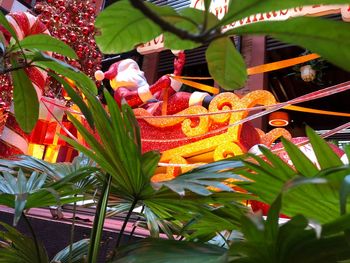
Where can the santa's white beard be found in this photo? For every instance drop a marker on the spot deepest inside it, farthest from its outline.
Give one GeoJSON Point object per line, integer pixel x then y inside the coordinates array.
{"type": "Point", "coordinates": [135, 78]}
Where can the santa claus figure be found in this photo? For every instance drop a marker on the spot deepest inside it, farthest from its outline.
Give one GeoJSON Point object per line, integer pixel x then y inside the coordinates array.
{"type": "Point", "coordinates": [130, 85]}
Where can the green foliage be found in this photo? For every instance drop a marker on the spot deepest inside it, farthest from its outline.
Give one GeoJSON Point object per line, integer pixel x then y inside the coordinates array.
{"type": "Point", "coordinates": [20, 55]}
{"type": "Point", "coordinates": [328, 38]}
{"type": "Point", "coordinates": [308, 190]}
{"type": "Point", "coordinates": [198, 182]}
{"type": "Point", "coordinates": [117, 150]}
{"type": "Point", "coordinates": [79, 251]}
{"type": "Point", "coordinates": [225, 64]}
{"type": "Point", "coordinates": [190, 28]}
{"type": "Point", "coordinates": [294, 241]}
{"type": "Point", "coordinates": [48, 63]}
{"type": "Point", "coordinates": [25, 99]}
{"type": "Point", "coordinates": [192, 19]}
{"type": "Point", "coordinates": [18, 248]}
{"type": "Point", "coordinates": [56, 171]}
{"type": "Point", "coordinates": [7, 26]}
{"type": "Point", "coordinates": [132, 29]}
{"type": "Point", "coordinates": [161, 251]}
{"type": "Point", "coordinates": [45, 42]}
{"type": "Point", "coordinates": [96, 233]}
{"type": "Point", "coordinates": [241, 9]}
{"type": "Point", "coordinates": [21, 193]}
{"type": "Point", "coordinates": [75, 98]}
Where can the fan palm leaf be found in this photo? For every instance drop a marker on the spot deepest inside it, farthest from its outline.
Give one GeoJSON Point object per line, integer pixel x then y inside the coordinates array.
{"type": "Point", "coordinates": [309, 189]}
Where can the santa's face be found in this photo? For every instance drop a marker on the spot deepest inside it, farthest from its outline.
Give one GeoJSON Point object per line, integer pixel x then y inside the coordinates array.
{"type": "Point", "coordinates": [129, 75]}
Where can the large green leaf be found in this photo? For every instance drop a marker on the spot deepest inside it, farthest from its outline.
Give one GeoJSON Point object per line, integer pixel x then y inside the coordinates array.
{"type": "Point", "coordinates": [191, 20]}
{"type": "Point", "coordinates": [241, 9]}
{"type": "Point", "coordinates": [225, 64]}
{"type": "Point", "coordinates": [330, 39]}
{"type": "Point", "coordinates": [133, 27]}
{"type": "Point", "coordinates": [45, 42]}
{"type": "Point", "coordinates": [170, 251]}
{"type": "Point", "coordinates": [25, 99]}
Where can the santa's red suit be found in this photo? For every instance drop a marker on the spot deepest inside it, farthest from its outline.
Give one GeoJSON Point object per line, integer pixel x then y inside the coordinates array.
{"type": "Point", "coordinates": [130, 85]}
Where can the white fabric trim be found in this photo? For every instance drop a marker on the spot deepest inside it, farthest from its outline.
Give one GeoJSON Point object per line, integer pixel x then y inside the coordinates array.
{"type": "Point", "coordinates": [14, 139]}
{"type": "Point", "coordinates": [31, 19]}
{"type": "Point", "coordinates": [197, 98]}
{"type": "Point", "coordinates": [175, 85]}
{"type": "Point", "coordinates": [16, 27]}
{"type": "Point", "coordinates": [144, 93]}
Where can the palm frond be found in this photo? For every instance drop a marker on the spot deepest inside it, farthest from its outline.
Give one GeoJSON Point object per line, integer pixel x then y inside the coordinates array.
{"type": "Point", "coordinates": [294, 241]}
{"type": "Point", "coordinates": [159, 251]}
{"type": "Point", "coordinates": [76, 254]}
{"type": "Point", "coordinates": [21, 193]}
{"type": "Point", "coordinates": [310, 190]}
{"type": "Point", "coordinates": [19, 248]}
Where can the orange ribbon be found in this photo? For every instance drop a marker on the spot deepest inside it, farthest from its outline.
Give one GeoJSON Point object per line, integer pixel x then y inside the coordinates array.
{"type": "Point", "coordinates": [316, 111]}
{"type": "Point", "coordinates": [197, 85]}
{"type": "Point", "coordinates": [281, 64]}
{"type": "Point", "coordinates": [251, 71]}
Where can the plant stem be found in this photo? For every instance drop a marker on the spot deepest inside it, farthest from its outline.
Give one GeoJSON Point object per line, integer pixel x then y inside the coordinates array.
{"type": "Point", "coordinates": [126, 222]}
{"type": "Point", "coordinates": [72, 232]}
{"type": "Point", "coordinates": [166, 26]}
{"type": "Point", "coordinates": [33, 235]}
{"type": "Point", "coordinates": [100, 215]}
{"type": "Point", "coordinates": [134, 228]}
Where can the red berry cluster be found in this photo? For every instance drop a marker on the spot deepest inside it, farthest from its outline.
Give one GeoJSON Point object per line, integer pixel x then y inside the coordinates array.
{"type": "Point", "coordinates": [6, 90]}
{"type": "Point", "coordinates": [72, 21]}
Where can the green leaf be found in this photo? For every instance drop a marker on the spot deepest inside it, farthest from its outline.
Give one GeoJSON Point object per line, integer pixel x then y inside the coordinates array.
{"type": "Point", "coordinates": [225, 64]}
{"type": "Point", "coordinates": [79, 250]}
{"type": "Point", "coordinates": [192, 21]}
{"type": "Point", "coordinates": [7, 26]}
{"type": "Point", "coordinates": [18, 248]}
{"type": "Point", "coordinates": [75, 98]}
{"type": "Point", "coordinates": [300, 161]}
{"type": "Point", "coordinates": [241, 9]}
{"type": "Point", "coordinates": [25, 99]}
{"type": "Point", "coordinates": [344, 194]}
{"type": "Point", "coordinates": [271, 224]}
{"type": "Point", "coordinates": [133, 27]}
{"type": "Point", "coordinates": [45, 42]}
{"type": "Point", "coordinates": [149, 162]}
{"type": "Point", "coordinates": [162, 250]}
{"type": "Point", "coordinates": [198, 182]}
{"type": "Point", "coordinates": [330, 39]}
{"type": "Point", "coordinates": [326, 157]}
